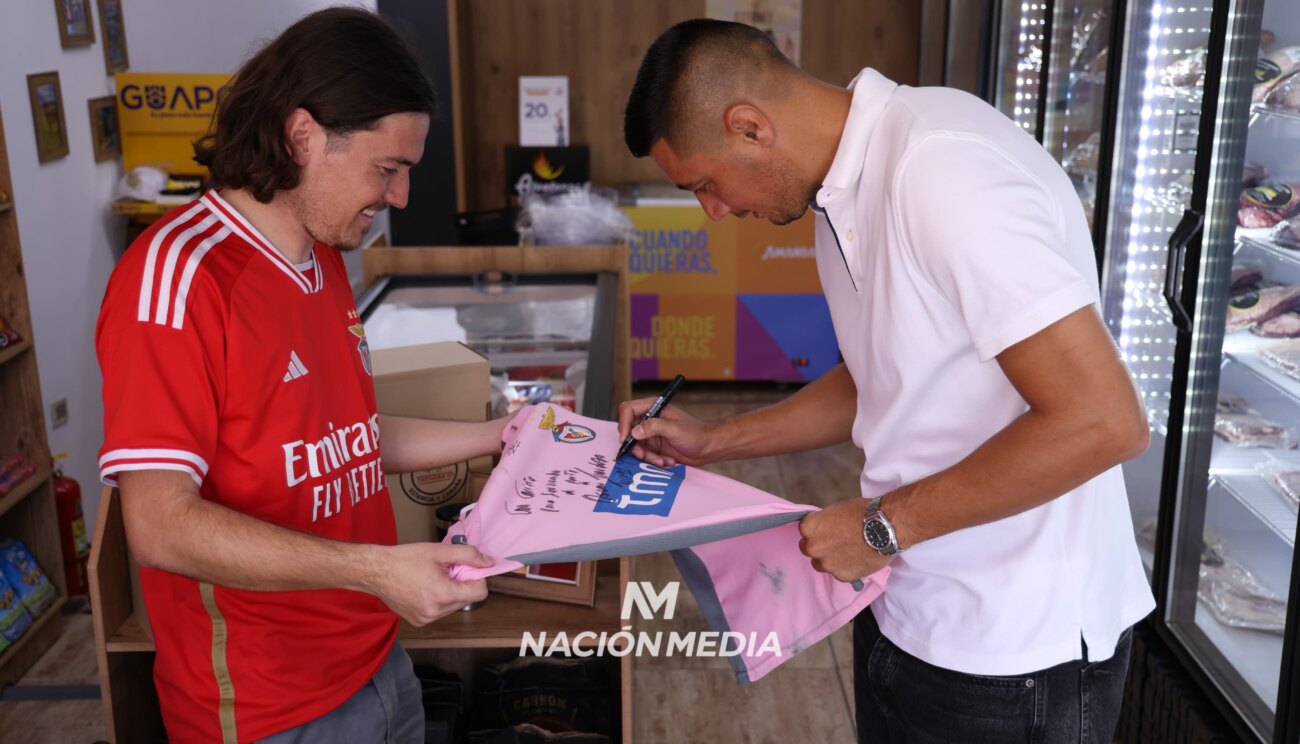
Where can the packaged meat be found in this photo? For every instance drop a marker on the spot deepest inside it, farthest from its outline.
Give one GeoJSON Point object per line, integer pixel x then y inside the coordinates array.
{"type": "Point", "coordinates": [1257, 306]}
{"type": "Point", "coordinates": [1266, 39]}
{"type": "Point", "coordinates": [1237, 599]}
{"type": "Point", "coordinates": [1285, 478]}
{"type": "Point", "coordinates": [25, 576]}
{"type": "Point", "coordinates": [1186, 72]}
{"type": "Point", "coordinates": [1286, 325]}
{"type": "Point", "coordinates": [1253, 174]}
{"type": "Point", "coordinates": [1285, 95]}
{"type": "Point", "coordinates": [1082, 160]}
{"type": "Point", "coordinates": [1272, 68]}
{"type": "Point", "coordinates": [1245, 275]}
{"type": "Point", "coordinates": [1253, 430]}
{"type": "Point", "coordinates": [1287, 234]}
{"type": "Point", "coordinates": [1267, 204]}
{"type": "Point", "coordinates": [1238, 423]}
{"type": "Point", "coordinates": [1285, 355]}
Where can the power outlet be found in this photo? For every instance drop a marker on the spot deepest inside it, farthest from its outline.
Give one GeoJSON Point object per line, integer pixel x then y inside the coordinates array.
{"type": "Point", "coordinates": [59, 412]}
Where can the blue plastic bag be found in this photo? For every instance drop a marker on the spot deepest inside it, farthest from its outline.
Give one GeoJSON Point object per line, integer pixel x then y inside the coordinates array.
{"type": "Point", "coordinates": [14, 620]}
{"type": "Point", "coordinates": [26, 577]}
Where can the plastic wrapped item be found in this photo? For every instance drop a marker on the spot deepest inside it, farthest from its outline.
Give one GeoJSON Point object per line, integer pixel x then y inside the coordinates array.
{"type": "Point", "coordinates": [1267, 204]}
{"type": "Point", "coordinates": [1285, 355]}
{"type": "Point", "coordinates": [1286, 479]}
{"type": "Point", "coordinates": [1273, 68]}
{"type": "Point", "coordinates": [14, 469]}
{"type": "Point", "coordinates": [14, 618]}
{"type": "Point", "coordinates": [1236, 598]}
{"type": "Point", "coordinates": [1287, 234]}
{"type": "Point", "coordinates": [1245, 275]}
{"type": "Point", "coordinates": [1186, 72]}
{"type": "Point", "coordinates": [1258, 305]}
{"type": "Point", "coordinates": [1253, 174]}
{"type": "Point", "coordinates": [25, 576]}
{"type": "Point", "coordinates": [1286, 325]}
{"type": "Point", "coordinates": [1082, 160]}
{"type": "Point", "coordinates": [585, 216]}
{"type": "Point", "coordinates": [1241, 425]}
{"type": "Point", "coordinates": [1285, 96]}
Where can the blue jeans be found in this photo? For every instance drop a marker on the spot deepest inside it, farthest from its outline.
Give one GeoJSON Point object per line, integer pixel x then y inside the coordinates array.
{"type": "Point", "coordinates": [903, 700]}
{"type": "Point", "coordinates": [388, 710]}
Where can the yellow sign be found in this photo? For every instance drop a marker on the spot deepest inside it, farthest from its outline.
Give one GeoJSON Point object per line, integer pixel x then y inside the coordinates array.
{"type": "Point", "coordinates": [161, 114]}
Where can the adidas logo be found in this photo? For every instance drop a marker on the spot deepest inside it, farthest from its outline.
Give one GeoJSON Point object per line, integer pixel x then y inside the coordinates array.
{"type": "Point", "coordinates": [296, 368]}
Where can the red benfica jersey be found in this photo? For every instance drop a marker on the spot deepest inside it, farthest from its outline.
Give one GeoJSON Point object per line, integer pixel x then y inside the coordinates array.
{"type": "Point", "coordinates": [224, 361]}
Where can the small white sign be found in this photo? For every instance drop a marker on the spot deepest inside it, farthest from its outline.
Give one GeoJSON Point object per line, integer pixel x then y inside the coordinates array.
{"type": "Point", "coordinates": [544, 111]}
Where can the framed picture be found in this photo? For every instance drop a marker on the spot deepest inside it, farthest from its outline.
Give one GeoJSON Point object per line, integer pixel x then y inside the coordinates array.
{"type": "Point", "coordinates": [112, 25]}
{"type": "Point", "coordinates": [571, 583]}
{"type": "Point", "coordinates": [47, 116]}
{"type": "Point", "coordinates": [103, 128]}
{"type": "Point", "coordinates": [75, 26]}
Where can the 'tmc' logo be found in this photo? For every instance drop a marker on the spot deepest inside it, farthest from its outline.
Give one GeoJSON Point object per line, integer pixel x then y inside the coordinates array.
{"type": "Point", "coordinates": [637, 487]}
{"type": "Point", "coordinates": [642, 596]}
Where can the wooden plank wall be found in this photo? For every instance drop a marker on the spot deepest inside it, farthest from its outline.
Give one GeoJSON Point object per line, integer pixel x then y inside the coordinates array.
{"type": "Point", "coordinates": [599, 44]}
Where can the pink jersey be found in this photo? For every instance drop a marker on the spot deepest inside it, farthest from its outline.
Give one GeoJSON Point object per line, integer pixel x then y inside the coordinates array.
{"type": "Point", "coordinates": [559, 496]}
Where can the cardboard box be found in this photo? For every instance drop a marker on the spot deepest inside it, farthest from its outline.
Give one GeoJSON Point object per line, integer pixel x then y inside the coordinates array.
{"type": "Point", "coordinates": [447, 381]}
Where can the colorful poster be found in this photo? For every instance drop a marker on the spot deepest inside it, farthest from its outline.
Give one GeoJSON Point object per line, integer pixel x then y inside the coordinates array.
{"type": "Point", "coordinates": [737, 299]}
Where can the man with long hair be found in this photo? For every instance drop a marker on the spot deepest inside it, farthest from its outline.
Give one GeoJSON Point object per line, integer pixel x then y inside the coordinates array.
{"type": "Point", "coordinates": [240, 419]}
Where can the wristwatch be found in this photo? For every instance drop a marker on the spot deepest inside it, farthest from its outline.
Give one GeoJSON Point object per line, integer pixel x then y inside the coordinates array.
{"type": "Point", "coordinates": [878, 531]}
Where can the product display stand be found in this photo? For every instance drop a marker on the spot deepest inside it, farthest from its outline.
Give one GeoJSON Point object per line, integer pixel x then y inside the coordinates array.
{"type": "Point", "coordinates": [28, 512]}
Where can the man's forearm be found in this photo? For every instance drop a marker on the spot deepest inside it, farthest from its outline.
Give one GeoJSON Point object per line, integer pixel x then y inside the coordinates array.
{"type": "Point", "coordinates": [193, 537]}
{"type": "Point", "coordinates": [410, 444]}
{"type": "Point", "coordinates": [819, 415]}
{"type": "Point", "coordinates": [1035, 459]}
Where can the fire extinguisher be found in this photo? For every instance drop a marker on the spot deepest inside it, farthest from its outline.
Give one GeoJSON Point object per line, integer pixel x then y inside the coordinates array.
{"type": "Point", "coordinates": [72, 530]}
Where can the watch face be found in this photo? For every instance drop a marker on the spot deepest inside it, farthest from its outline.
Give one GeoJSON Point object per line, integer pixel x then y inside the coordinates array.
{"type": "Point", "coordinates": [876, 534]}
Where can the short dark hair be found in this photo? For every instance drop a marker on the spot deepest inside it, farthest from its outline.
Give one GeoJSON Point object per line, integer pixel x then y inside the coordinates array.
{"type": "Point", "coordinates": [348, 67]}
{"type": "Point", "coordinates": [668, 82]}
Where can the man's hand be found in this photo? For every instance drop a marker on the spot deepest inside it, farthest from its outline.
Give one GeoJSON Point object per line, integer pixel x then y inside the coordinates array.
{"type": "Point", "coordinates": [832, 538]}
{"type": "Point", "coordinates": [671, 438]}
{"type": "Point", "coordinates": [413, 580]}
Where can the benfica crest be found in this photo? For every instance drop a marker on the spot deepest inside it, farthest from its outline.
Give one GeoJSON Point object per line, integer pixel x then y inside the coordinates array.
{"type": "Point", "coordinates": [363, 348]}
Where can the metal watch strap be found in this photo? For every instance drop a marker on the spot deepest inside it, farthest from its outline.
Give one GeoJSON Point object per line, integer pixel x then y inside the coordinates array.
{"type": "Point", "coordinates": [874, 512]}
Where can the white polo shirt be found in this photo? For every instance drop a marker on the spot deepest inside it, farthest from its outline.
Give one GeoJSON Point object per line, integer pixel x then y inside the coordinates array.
{"type": "Point", "coordinates": [946, 234]}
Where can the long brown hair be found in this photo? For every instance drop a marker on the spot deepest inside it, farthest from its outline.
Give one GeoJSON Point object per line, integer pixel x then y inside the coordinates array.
{"type": "Point", "coordinates": [347, 67]}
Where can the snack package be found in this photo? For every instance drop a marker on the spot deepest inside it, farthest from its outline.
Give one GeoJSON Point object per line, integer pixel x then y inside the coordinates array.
{"type": "Point", "coordinates": [14, 618]}
{"type": "Point", "coordinates": [26, 577]}
{"type": "Point", "coordinates": [7, 333]}
{"type": "Point", "coordinates": [1285, 355]}
{"type": "Point", "coordinates": [14, 469]}
{"type": "Point", "coordinates": [1272, 68]}
{"type": "Point", "coordinates": [1267, 204]}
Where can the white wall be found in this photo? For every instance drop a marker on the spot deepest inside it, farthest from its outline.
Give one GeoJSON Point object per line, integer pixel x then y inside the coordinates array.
{"type": "Point", "coordinates": [70, 238]}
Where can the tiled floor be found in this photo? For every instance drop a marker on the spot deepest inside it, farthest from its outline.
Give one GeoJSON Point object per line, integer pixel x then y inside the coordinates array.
{"type": "Point", "coordinates": [679, 699]}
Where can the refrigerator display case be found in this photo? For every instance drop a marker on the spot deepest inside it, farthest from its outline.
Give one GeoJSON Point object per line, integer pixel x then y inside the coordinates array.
{"type": "Point", "coordinates": [1200, 289]}
{"type": "Point", "coordinates": [1021, 29]}
{"type": "Point", "coordinates": [547, 337]}
{"type": "Point", "coordinates": [1075, 86]}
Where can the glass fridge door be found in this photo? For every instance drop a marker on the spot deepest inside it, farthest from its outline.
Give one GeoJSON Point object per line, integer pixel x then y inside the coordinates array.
{"type": "Point", "coordinates": [1156, 128]}
{"type": "Point", "coordinates": [1022, 26]}
{"type": "Point", "coordinates": [1233, 546]}
{"type": "Point", "coordinates": [1073, 122]}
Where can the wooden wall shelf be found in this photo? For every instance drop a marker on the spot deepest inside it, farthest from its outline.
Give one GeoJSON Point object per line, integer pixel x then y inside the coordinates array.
{"type": "Point", "coordinates": [24, 489]}
{"type": "Point", "coordinates": [14, 351]}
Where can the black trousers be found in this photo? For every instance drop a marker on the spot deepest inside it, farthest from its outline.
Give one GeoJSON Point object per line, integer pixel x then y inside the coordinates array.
{"type": "Point", "coordinates": [903, 700]}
